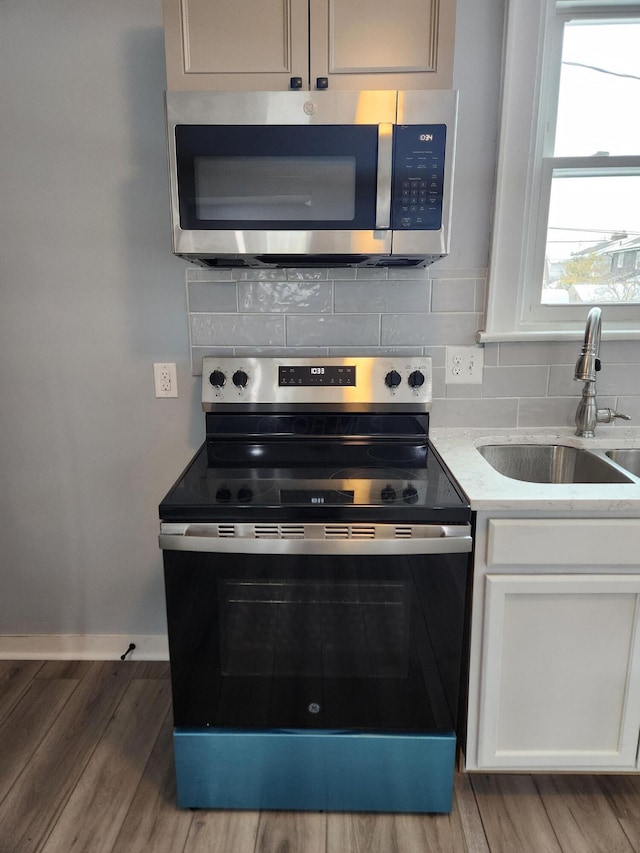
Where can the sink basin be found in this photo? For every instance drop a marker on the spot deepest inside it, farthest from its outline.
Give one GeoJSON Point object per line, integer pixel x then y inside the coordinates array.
{"type": "Point", "coordinates": [550, 463]}
{"type": "Point", "coordinates": [629, 459]}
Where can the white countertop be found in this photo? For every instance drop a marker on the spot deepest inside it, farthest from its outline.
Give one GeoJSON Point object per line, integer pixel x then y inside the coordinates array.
{"type": "Point", "coordinates": [489, 490]}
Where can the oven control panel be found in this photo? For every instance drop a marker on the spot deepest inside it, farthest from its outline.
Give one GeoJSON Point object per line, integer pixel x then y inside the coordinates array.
{"type": "Point", "coordinates": [370, 383]}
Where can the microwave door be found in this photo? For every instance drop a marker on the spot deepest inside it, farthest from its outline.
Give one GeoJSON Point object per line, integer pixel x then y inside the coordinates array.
{"type": "Point", "coordinates": [384, 176]}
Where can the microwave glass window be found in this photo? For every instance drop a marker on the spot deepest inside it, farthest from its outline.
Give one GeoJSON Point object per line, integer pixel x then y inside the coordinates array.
{"type": "Point", "coordinates": [301, 189]}
{"type": "Point", "coordinates": [282, 177]}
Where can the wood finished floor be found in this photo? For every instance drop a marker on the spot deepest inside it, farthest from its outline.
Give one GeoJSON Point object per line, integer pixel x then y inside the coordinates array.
{"type": "Point", "coordinates": [86, 765]}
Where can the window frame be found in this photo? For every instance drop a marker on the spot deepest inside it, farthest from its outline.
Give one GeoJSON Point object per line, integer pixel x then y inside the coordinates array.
{"type": "Point", "coordinates": [532, 53]}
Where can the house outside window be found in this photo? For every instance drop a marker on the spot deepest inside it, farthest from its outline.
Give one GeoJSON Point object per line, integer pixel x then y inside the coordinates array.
{"type": "Point", "coordinates": [567, 217]}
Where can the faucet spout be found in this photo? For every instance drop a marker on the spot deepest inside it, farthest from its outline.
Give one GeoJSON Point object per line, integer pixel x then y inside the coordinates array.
{"type": "Point", "coordinates": [589, 362]}
{"type": "Point", "coordinates": [588, 415]}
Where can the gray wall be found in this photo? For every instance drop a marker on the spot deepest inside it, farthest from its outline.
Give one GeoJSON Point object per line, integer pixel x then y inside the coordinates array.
{"type": "Point", "coordinates": [91, 296]}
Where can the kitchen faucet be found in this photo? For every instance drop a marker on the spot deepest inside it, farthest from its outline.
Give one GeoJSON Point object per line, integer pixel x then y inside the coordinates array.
{"type": "Point", "coordinates": [588, 414]}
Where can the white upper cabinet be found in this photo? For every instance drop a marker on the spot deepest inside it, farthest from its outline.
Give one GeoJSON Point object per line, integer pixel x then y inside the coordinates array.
{"type": "Point", "coordinates": [270, 45]}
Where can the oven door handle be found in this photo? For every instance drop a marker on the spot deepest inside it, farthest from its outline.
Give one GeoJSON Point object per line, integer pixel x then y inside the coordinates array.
{"type": "Point", "coordinates": [383, 182]}
{"type": "Point", "coordinates": [318, 539]}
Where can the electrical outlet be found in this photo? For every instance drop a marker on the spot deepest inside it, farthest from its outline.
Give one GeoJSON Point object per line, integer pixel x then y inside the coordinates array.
{"type": "Point", "coordinates": [166, 380]}
{"type": "Point", "coordinates": [464, 365]}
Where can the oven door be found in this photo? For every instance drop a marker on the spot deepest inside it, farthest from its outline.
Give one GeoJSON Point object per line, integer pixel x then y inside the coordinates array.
{"type": "Point", "coordinates": [297, 634]}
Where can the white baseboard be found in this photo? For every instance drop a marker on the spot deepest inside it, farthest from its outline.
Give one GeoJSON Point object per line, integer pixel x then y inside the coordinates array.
{"type": "Point", "coordinates": [82, 646]}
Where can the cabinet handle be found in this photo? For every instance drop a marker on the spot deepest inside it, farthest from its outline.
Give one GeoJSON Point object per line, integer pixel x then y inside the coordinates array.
{"type": "Point", "coordinates": [322, 82]}
{"type": "Point", "coordinates": [383, 182]}
{"type": "Point", "coordinates": [295, 83]}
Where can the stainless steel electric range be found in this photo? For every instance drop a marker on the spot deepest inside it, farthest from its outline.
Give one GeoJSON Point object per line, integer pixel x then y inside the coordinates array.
{"type": "Point", "coordinates": [316, 557]}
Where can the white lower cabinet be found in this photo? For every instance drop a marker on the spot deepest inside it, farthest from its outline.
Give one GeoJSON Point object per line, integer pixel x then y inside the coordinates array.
{"type": "Point", "coordinates": [555, 657]}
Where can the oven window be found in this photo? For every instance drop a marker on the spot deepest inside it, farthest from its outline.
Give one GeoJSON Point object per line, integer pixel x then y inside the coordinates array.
{"type": "Point", "coordinates": [312, 629]}
{"type": "Point", "coordinates": [275, 188]}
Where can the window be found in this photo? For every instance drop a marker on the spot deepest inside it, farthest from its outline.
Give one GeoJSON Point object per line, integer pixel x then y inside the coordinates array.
{"type": "Point", "coordinates": [567, 219]}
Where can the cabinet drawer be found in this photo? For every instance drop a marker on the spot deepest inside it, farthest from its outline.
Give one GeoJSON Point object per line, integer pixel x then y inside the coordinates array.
{"type": "Point", "coordinates": [563, 542]}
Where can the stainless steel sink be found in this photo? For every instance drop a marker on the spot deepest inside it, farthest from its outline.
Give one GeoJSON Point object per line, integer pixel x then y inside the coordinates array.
{"type": "Point", "coordinates": [550, 463]}
{"type": "Point", "coordinates": [628, 458]}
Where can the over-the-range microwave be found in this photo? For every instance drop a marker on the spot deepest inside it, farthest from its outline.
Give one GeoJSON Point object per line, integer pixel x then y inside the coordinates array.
{"type": "Point", "coordinates": [294, 179]}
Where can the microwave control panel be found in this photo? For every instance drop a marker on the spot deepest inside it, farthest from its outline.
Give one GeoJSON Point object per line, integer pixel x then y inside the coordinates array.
{"type": "Point", "coordinates": [418, 177]}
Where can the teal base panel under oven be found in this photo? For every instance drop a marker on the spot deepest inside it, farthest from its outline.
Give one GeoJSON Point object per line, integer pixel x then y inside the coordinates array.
{"type": "Point", "coordinates": [302, 770]}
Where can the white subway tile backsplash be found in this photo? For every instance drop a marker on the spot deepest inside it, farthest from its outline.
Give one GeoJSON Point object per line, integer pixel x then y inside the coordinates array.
{"type": "Point", "coordinates": [437, 355]}
{"type": "Point", "coordinates": [333, 330]}
{"type": "Point", "coordinates": [369, 273]}
{"type": "Point", "coordinates": [381, 297]}
{"type": "Point", "coordinates": [562, 383]}
{"type": "Point", "coordinates": [481, 413]}
{"type": "Point", "coordinates": [545, 352]}
{"type": "Point", "coordinates": [349, 312]}
{"type": "Point", "coordinates": [375, 351]}
{"type": "Point", "coordinates": [628, 406]}
{"type": "Point", "coordinates": [463, 392]}
{"type": "Point", "coordinates": [211, 297]}
{"type": "Point", "coordinates": [237, 330]}
{"type": "Point", "coordinates": [453, 294]}
{"type": "Point", "coordinates": [307, 275]}
{"type": "Point", "coordinates": [547, 411]}
{"type": "Point", "coordinates": [286, 296]}
{"type": "Point", "coordinates": [515, 381]}
{"type": "Point", "coordinates": [429, 329]}
{"type": "Point", "coordinates": [619, 379]}
{"type": "Point", "coordinates": [259, 275]}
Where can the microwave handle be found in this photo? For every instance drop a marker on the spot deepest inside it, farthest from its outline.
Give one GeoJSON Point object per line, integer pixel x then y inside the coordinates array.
{"type": "Point", "coordinates": [383, 183]}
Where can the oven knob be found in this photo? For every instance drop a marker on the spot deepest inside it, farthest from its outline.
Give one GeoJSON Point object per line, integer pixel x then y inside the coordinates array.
{"type": "Point", "coordinates": [410, 494]}
{"type": "Point", "coordinates": [240, 379]}
{"type": "Point", "coordinates": [217, 378]}
{"type": "Point", "coordinates": [388, 494]}
{"type": "Point", "coordinates": [245, 495]}
{"type": "Point", "coordinates": [416, 379]}
{"type": "Point", "coordinates": [392, 379]}
{"type": "Point", "coordinates": [223, 494]}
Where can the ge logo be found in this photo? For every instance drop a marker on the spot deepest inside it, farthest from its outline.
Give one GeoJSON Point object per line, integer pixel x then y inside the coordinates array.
{"type": "Point", "coordinates": [314, 708]}
{"type": "Point", "coordinates": [309, 108]}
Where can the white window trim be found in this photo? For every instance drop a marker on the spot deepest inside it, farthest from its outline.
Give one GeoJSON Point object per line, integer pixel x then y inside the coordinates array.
{"type": "Point", "coordinates": [530, 77]}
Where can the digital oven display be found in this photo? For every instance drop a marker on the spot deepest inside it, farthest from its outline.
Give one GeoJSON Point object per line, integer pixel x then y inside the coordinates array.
{"type": "Point", "coordinates": [306, 376]}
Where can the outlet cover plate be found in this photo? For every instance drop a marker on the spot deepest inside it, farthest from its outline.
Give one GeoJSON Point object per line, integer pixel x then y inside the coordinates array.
{"type": "Point", "coordinates": [165, 378]}
{"type": "Point", "coordinates": [464, 365]}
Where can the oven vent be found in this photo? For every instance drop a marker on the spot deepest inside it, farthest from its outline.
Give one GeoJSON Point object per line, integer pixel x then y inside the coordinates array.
{"type": "Point", "coordinates": [226, 531]}
{"type": "Point", "coordinates": [403, 531]}
{"type": "Point", "coordinates": [349, 531]}
{"type": "Point", "coordinates": [279, 531]}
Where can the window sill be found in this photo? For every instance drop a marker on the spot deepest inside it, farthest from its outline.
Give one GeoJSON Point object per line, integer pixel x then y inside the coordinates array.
{"type": "Point", "coordinates": [486, 337]}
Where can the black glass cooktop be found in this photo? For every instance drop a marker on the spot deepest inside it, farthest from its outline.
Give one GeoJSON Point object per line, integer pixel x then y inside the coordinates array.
{"type": "Point", "coordinates": [358, 480]}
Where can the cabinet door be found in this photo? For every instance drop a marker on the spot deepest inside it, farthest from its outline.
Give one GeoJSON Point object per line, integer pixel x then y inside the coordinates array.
{"type": "Point", "coordinates": [239, 45]}
{"type": "Point", "coordinates": [560, 675]}
{"type": "Point", "coordinates": [404, 44]}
